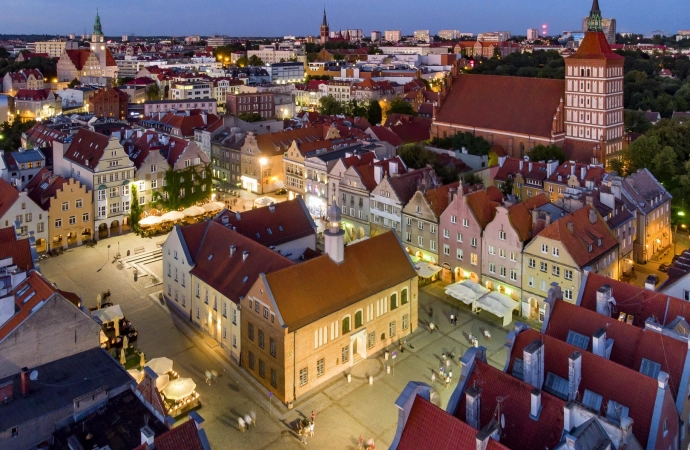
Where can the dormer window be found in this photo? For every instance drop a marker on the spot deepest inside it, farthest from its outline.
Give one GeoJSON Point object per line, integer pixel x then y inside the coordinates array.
{"type": "Point", "coordinates": [589, 248]}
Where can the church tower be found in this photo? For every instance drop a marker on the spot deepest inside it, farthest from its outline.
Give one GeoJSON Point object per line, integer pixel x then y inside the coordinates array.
{"type": "Point", "coordinates": [324, 29]}
{"type": "Point", "coordinates": [334, 236]}
{"type": "Point", "coordinates": [594, 92]}
{"type": "Point", "coordinates": [98, 42]}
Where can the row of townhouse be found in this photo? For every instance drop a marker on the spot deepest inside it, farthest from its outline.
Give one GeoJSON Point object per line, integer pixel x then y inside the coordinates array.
{"type": "Point", "coordinates": [640, 193]}
{"type": "Point", "coordinates": [241, 277]}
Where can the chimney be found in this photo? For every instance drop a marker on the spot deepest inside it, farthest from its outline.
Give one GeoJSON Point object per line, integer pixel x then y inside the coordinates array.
{"type": "Point", "coordinates": [570, 226]}
{"type": "Point", "coordinates": [603, 300]}
{"type": "Point", "coordinates": [492, 430]}
{"type": "Point", "coordinates": [551, 167]}
{"type": "Point", "coordinates": [592, 215]}
{"type": "Point", "coordinates": [147, 437]}
{"type": "Point", "coordinates": [589, 200]}
{"type": "Point", "coordinates": [521, 164]}
{"type": "Point", "coordinates": [245, 255]}
{"type": "Point", "coordinates": [533, 363]}
{"type": "Point", "coordinates": [574, 374]}
{"type": "Point", "coordinates": [535, 404]}
{"type": "Point", "coordinates": [599, 342]}
{"type": "Point", "coordinates": [392, 167]}
{"type": "Point", "coordinates": [583, 172]}
{"type": "Point", "coordinates": [662, 380]}
{"type": "Point", "coordinates": [237, 216]}
{"type": "Point", "coordinates": [233, 248]}
{"type": "Point", "coordinates": [451, 194]}
{"type": "Point", "coordinates": [472, 406]}
{"type": "Point", "coordinates": [378, 174]}
{"type": "Point", "coordinates": [572, 167]}
{"type": "Point", "coordinates": [530, 166]}
{"type": "Point", "coordinates": [204, 116]}
{"type": "Point", "coordinates": [24, 378]}
{"type": "Point", "coordinates": [535, 217]}
{"type": "Point", "coordinates": [272, 208]}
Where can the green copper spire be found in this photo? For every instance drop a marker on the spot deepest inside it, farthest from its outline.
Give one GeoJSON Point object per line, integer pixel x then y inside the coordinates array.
{"type": "Point", "coordinates": [97, 25]}
{"type": "Point", "coordinates": [594, 21]}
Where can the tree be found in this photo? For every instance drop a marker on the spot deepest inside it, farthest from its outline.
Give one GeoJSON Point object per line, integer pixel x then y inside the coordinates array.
{"type": "Point", "coordinates": [400, 106]}
{"type": "Point", "coordinates": [472, 179]}
{"type": "Point", "coordinates": [184, 187]}
{"type": "Point", "coordinates": [255, 61]}
{"type": "Point", "coordinates": [507, 187]}
{"type": "Point", "coordinates": [242, 61]}
{"type": "Point", "coordinates": [135, 211]}
{"type": "Point", "coordinates": [328, 106]}
{"type": "Point", "coordinates": [153, 92]}
{"type": "Point", "coordinates": [74, 83]}
{"type": "Point", "coordinates": [636, 121]}
{"type": "Point", "coordinates": [374, 112]}
{"type": "Point", "coordinates": [353, 108]}
{"type": "Point", "coordinates": [547, 153]}
{"type": "Point", "coordinates": [11, 134]}
{"type": "Point", "coordinates": [250, 117]}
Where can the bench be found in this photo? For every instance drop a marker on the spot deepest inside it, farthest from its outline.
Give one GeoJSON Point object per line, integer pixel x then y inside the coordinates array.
{"type": "Point", "coordinates": [160, 243]}
{"type": "Point", "coordinates": [139, 250]}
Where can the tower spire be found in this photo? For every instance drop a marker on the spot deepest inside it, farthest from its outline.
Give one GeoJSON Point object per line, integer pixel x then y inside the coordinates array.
{"type": "Point", "coordinates": [594, 20]}
{"type": "Point", "coordinates": [325, 22]}
{"type": "Point", "coordinates": [97, 29]}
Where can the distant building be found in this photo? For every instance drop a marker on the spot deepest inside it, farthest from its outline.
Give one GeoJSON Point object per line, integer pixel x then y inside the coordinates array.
{"type": "Point", "coordinates": [375, 36]}
{"type": "Point", "coordinates": [37, 104]}
{"type": "Point", "coordinates": [449, 35]}
{"type": "Point", "coordinates": [392, 35]}
{"type": "Point", "coordinates": [422, 36]}
{"type": "Point", "coordinates": [218, 41]}
{"type": "Point", "coordinates": [55, 48]}
{"type": "Point", "coordinates": [608, 27]}
{"type": "Point", "coordinates": [109, 103]}
{"type": "Point", "coordinates": [323, 32]}
{"type": "Point", "coordinates": [260, 103]}
{"type": "Point", "coordinates": [494, 36]}
{"type": "Point", "coordinates": [532, 34]}
{"type": "Point", "coordinates": [95, 62]}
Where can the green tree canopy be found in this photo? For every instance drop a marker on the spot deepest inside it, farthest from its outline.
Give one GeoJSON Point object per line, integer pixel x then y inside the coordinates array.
{"type": "Point", "coordinates": [250, 117]}
{"type": "Point", "coordinates": [11, 134]}
{"type": "Point", "coordinates": [328, 105]}
{"type": "Point", "coordinates": [636, 121]}
{"type": "Point", "coordinates": [400, 106]}
{"type": "Point", "coordinates": [547, 153]}
{"type": "Point", "coordinates": [255, 61]}
{"type": "Point", "coordinates": [74, 83]}
{"type": "Point", "coordinates": [475, 145]}
{"type": "Point", "coordinates": [374, 112]}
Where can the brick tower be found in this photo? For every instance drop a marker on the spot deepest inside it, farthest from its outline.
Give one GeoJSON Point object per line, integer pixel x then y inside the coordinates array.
{"type": "Point", "coordinates": [594, 92]}
{"type": "Point", "coordinates": [324, 29]}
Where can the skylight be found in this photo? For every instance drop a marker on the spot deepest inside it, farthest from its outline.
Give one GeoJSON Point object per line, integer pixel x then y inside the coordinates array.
{"type": "Point", "coordinates": [556, 385]}
{"type": "Point", "coordinates": [518, 366]}
{"type": "Point", "coordinates": [592, 400]}
{"type": "Point", "coordinates": [578, 340]}
{"type": "Point", "coordinates": [650, 368]}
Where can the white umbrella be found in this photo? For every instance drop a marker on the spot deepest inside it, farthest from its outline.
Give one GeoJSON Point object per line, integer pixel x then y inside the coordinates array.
{"type": "Point", "coordinates": [160, 365]}
{"type": "Point", "coordinates": [150, 220]}
{"type": "Point", "coordinates": [109, 314]}
{"type": "Point", "coordinates": [179, 388]}
{"type": "Point", "coordinates": [264, 201]}
{"type": "Point", "coordinates": [172, 216]}
{"type": "Point", "coordinates": [193, 211]}
{"type": "Point", "coordinates": [137, 374]}
{"type": "Point", "coordinates": [162, 381]}
{"type": "Point", "coordinates": [213, 206]}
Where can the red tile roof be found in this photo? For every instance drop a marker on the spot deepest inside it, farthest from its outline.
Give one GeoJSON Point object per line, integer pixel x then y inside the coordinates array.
{"type": "Point", "coordinates": [78, 57]}
{"type": "Point", "coordinates": [287, 221]}
{"type": "Point", "coordinates": [233, 276]}
{"type": "Point", "coordinates": [631, 344]}
{"type": "Point", "coordinates": [482, 207]}
{"type": "Point", "coordinates": [405, 185]}
{"type": "Point", "coordinates": [8, 195]}
{"type": "Point", "coordinates": [511, 167]}
{"type": "Point", "coordinates": [36, 95]}
{"type": "Point", "coordinates": [411, 133]}
{"type": "Point", "coordinates": [520, 432]}
{"type": "Point", "coordinates": [595, 46]}
{"type": "Point", "coordinates": [429, 426]}
{"type": "Point", "coordinates": [500, 103]}
{"type": "Point", "coordinates": [87, 148]}
{"type": "Point", "coordinates": [182, 437]}
{"type": "Point", "coordinates": [43, 186]}
{"type": "Point", "coordinates": [39, 290]}
{"type": "Point", "coordinates": [610, 380]}
{"type": "Point", "coordinates": [520, 215]}
{"type": "Point", "coordinates": [367, 171]}
{"type": "Point", "coordinates": [39, 134]}
{"type": "Point", "coordinates": [386, 135]}
{"type": "Point", "coordinates": [358, 276]}
{"type": "Point", "coordinates": [583, 235]}
{"type": "Point", "coordinates": [634, 300]}
{"type": "Point", "coordinates": [278, 143]}
{"type": "Point", "coordinates": [437, 198]}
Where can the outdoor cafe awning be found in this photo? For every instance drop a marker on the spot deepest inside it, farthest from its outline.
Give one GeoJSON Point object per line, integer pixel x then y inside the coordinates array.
{"type": "Point", "coordinates": [193, 211]}
{"type": "Point", "coordinates": [426, 270]}
{"type": "Point", "coordinates": [179, 388]}
{"type": "Point", "coordinates": [109, 314]}
{"type": "Point", "coordinates": [150, 220]}
{"type": "Point", "coordinates": [466, 291]}
{"type": "Point", "coordinates": [498, 304]}
{"type": "Point", "coordinates": [172, 216]}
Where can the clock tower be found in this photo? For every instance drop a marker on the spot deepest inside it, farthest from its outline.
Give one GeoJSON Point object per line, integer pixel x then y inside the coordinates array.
{"type": "Point", "coordinates": [324, 29]}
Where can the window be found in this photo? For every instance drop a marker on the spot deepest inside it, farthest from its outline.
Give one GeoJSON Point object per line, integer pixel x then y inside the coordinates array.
{"type": "Point", "coordinates": [465, 223]}
{"type": "Point", "coordinates": [261, 339]}
{"type": "Point", "coordinates": [453, 219]}
{"type": "Point", "coordinates": [492, 267]}
{"type": "Point", "coordinates": [650, 368]}
{"type": "Point", "coordinates": [409, 221]}
{"type": "Point", "coordinates": [420, 241]}
{"type": "Point", "coordinates": [556, 271]}
{"type": "Point", "coordinates": [345, 354]}
{"type": "Point", "coordinates": [405, 322]}
{"type": "Point", "coordinates": [432, 229]}
{"type": "Point", "coordinates": [39, 227]}
{"type": "Point", "coordinates": [72, 220]}
{"type": "Point", "coordinates": [492, 250]}
{"type": "Point", "coordinates": [58, 223]}
{"type": "Point", "coordinates": [544, 248]}
{"type": "Point", "coordinates": [153, 168]}
{"type": "Point", "coordinates": [473, 243]}
{"type": "Point", "coordinates": [262, 368]}
{"type": "Point", "coordinates": [251, 360]}
{"type": "Point", "coordinates": [15, 431]}
{"type": "Point", "coordinates": [420, 225]}
{"type": "Point", "coordinates": [502, 271]}
{"type": "Point", "coordinates": [234, 316]}
{"type": "Point", "coordinates": [577, 339]}
{"type": "Point", "coordinates": [530, 282]}
{"type": "Point", "coordinates": [394, 301]}
{"type": "Point", "coordinates": [250, 332]}
{"type": "Point", "coordinates": [446, 249]}
{"type": "Point", "coordinates": [274, 378]}
{"type": "Point", "coordinates": [459, 254]}
{"type": "Point", "coordinates": [85, 217]}
{"type": "Point", "coordinates": [391, 329]}
{"type": "Point", "coordinates": [346, 325]}
{"type": "Point", "coordinates": [502, 252]}
{"type": "Point", "coordinates": [459, 237]}
{"type": "Point", "coordinates": [543, 266]}
{"type": "Point", "coordinates": [320, 367]}
{"type": "Point", "coordinates": [266, 312]}
{"type": "Point", "coordinates": [512, 256]}
{"type": "Point", "coordinates": [473, 259]}
{"type": "Point", "coordinates": [568, 274]}
{"type": "Point", "coordinates": [65, 206]}
{"type": "Point", "coordinates": [101, 194]}
{"type": "Point", "coordinates": [568, 294]}
{"type": "Point", "coordinates": [446, 233]}
{"type": "Point", "coordinates": [432, 244]}
{"type": "Point", "coordinates": [555, 252]}
{"type": "Point", "coordinates": [198, 288]}
{"type": "Point", "coordinates": [532, 263]}
{"type": "Point", "coordinates": [542, 285]}
{"type": "Point", "coordinates": [502, 235]}
{"type": "Point", "coordinates": [370, 340]}
{"type": "Point", "coordinates": [154, 184]}
{"type": "Point", "coordinates": [273, 347]}
{"type": "Point", "coordinates": [513, 275]}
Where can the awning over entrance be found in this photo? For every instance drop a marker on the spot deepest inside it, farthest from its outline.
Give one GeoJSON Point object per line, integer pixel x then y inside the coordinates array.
{"type": "Point", "coordinates": [109, 314]}
{"type": "Point", "coordinates": [426, 270]}
{"type": "Point", "coordinates": [467, 291]}
{"type": "Point", "coordinates": [498, 304]}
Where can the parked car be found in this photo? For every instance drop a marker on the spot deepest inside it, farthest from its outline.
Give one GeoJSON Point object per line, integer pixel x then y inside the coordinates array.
{"type": "Point", "coordinates": [663, 267]}
{"type": "Point", "coordinates": [652, 279]}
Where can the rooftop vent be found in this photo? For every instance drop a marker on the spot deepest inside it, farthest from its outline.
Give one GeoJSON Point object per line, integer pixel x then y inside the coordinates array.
{"type": "Point", "coordinates": [245, 255]}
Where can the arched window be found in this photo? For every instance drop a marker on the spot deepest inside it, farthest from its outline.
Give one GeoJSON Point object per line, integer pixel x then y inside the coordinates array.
{"type": "Point", "coordinates": [346, 324]}
{"type": "Point", "coordinates": [403, 296]}
{"type": "Point", "coordinates": [359, 319]}
{"type": "Point", "coordinates": [582, 72]}
{"type": "Point", "coordinates": [394, 301]}
{"type": "Point", "coordinates": [588, 72]}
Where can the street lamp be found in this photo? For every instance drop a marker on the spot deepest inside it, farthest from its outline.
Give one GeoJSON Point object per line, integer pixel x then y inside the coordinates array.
{"type": "Point", "coordinates": [262, 163]}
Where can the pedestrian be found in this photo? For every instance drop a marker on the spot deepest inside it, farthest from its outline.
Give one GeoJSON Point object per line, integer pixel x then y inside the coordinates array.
{"type": "Point", "coordinates": [431, 311]}
{"type": "Point", "coordinates": [252, 414]}
{"type": "Point", "coordinates": [456, 320]}
{"type": "Point", "coordinates": [311, 429]}
{"type": "Point", "coordinates": [433, 376]}
{"type": "Point", "coordinates": [241, 424]}
{"type": "Point", "coordinates": [447, 382]}
{"type": "Point", "coordinates": [248, 419]}
{"type": "Point", "coordinates": [487, 335]}
{"type": "Point", "coordinates": [475, 342]}
{"type": "Point", "coordinates": [441, 369]}
{"type": "Point", "coordinates": [304, 436]}
{"type": "Point", "coordinates": [452, 319]}
{"type": "Point", "coordinates": [400, 344]}
{"type": "Point", "coordinates": [448, 362]}
{"type": "Point", "coordinates": [431, 327]}
{"type": "Point", "coordinates": [313, 416]}
{"type": "Point", "coordinates": [208, 377]}
{"type": "Point", "coordinates": [471, 337]}
{"type": "Point", "coordinates": [450, 374]}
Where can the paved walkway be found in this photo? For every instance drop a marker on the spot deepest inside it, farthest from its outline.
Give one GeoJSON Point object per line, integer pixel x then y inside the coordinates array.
{"type": "Point", "coordinates": [344, 410]}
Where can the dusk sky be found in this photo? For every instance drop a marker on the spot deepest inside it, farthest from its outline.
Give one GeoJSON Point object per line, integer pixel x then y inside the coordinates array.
{"type": "Point", "coordinates": [302, 17]}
